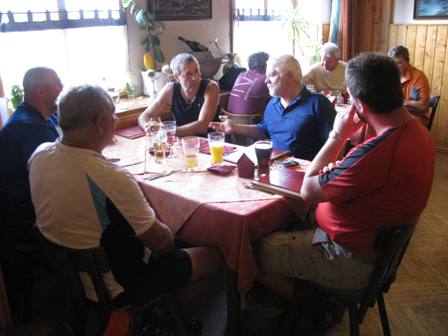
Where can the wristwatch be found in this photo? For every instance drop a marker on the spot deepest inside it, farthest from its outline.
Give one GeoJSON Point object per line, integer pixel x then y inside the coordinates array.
{"type": "Point", "coordinates": [333, 134]}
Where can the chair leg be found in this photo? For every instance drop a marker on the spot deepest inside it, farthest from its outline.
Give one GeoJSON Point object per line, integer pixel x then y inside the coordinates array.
{"type": "Point", "coordinates": [383, 314]}
{"type": "Point", "coordinates": [354, 320]}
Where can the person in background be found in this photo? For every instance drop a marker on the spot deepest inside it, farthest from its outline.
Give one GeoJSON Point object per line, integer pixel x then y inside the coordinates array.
{"type": "Point", "coordinates": [329, 73]}
{"type": "Point", "coordinates": [192, 100]}
{"type": "Point", "coordinates": [414, 84]}
{"type": "Point", "coordinates": [294, 119]}
{"type": "Point", "coordinates": [250, 93]}
{"type": "Point", "coordinates": [378, 184]}
{"type": "Point", "coordinates": [33, 123]}
{"type": "Point", "coordinates": [111, 210]}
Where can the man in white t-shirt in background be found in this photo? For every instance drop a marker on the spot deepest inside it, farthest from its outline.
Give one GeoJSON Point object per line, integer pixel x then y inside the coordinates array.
{"type": "Point", "coordinates": [329, 73]}
{"type": "Point", "coordinates": [82, 201]}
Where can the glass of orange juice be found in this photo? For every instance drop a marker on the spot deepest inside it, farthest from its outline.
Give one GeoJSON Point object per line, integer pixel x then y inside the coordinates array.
{"type": "Point", "coordinates": [216, 144]}
{"type": "Point", "coordinates": [190, 147]}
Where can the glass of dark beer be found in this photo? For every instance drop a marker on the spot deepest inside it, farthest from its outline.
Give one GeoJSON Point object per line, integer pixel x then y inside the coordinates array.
{"type": "Point", "coordinates": [263, 150]}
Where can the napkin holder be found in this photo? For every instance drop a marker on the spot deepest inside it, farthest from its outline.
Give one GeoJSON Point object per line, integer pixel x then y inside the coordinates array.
{"type": "Point", "coordinates": [246, 167]}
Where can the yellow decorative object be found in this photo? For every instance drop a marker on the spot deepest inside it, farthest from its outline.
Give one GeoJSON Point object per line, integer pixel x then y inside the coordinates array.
{"type": "Point", "coordinates": [148, 61]}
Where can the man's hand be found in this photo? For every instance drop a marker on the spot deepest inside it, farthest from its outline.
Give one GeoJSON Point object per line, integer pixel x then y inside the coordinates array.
{"type": "Point", "coordinates": [347, 122]}
{"type": "Point", "coordinates": [225, 126]}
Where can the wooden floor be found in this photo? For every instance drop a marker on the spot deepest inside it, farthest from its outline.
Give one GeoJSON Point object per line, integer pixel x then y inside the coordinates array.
{"type": "Point", "coordinates": [417, 303]}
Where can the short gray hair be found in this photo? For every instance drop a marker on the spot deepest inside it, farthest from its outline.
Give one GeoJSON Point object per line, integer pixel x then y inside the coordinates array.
{"type": "Point", "coordinates": [81, 105]}
{"type": "Point", "coordinates": [399, 51]}
{"type": "Point", "coordinates": [257, 61]}
{"type": "Point", "coordinates": [287, 63]}
{"type": "Point", "coordinates": [329, 48]}
{"type": "Point", "coordinates": [181, 59]}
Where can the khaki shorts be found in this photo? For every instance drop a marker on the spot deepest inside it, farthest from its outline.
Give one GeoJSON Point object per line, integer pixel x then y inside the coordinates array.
{"type": "Point", "coordinates": [293, 255]}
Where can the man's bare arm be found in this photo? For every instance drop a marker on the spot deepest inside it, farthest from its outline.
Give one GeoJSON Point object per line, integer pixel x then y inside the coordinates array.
{"type": "Point", "coordinates": [158, 238]}
{"type": "Point", "coordinates": [158, 107]}
{"type": "Point", "coordinates": [229, 127]}
{"type": "Point", "coordinates": [206, 115]}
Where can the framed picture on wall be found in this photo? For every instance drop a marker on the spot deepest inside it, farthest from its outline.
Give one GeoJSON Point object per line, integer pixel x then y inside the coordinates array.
{"type": "Point", "coordinates": [430, 9]}
{"type": "Point", "coordinates": [181, 10]}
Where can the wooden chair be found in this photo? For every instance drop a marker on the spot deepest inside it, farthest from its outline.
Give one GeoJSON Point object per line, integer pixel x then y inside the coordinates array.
{"type": "Point", "coordinates": [250, 119]}
{"type": "Point", "coordinates": [84, 316]}
{"type": "Point", "coordinates": [433, 103]}
{"type": "Point", "coordinates": [391, 243]}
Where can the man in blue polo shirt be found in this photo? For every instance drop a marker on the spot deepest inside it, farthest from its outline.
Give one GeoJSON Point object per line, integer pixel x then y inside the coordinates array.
{"type": "Point", "coordinates": [294, 119]}
{"type": "Point", "coordinates": [33, 123]}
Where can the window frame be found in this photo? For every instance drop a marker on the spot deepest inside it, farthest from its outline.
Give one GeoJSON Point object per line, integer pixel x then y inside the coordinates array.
{"type": "Point", "coordinates": [64, 21]}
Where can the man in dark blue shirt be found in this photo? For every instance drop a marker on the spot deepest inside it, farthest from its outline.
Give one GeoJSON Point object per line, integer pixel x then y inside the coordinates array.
{"type": "Point", "coordinates": [295, 119]}
{"type": "Point", "coordinates": [34, 122]}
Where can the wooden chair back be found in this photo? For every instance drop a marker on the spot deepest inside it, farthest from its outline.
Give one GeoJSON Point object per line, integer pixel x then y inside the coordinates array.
{"type": "Point", "coordinates": [433, 103]}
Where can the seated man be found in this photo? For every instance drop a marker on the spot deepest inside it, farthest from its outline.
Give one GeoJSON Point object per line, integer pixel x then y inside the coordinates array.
{"type": "Point", "coordinates": [414, 84]}
{"type": "Point", "coordinates": [192, 100]}
{"type": "Point", "coordinates": [295, 119]}
{"type": "Point", "coordinates": [328, 74]}
{"type": "Point", "coordinates": [33, 123]}
{"type": "Point", "coordinates": [110, 208]}
{"type": "Point", "coordinates": [250, 93]}
{"type": "Point", "coordinates": [378, 184]}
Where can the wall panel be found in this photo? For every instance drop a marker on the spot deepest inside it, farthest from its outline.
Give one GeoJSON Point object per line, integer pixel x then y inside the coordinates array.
{"type": "Point", "coordinates": [427, 46]}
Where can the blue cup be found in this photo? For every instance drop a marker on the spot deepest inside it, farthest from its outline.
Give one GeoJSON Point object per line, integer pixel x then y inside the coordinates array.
{"type": "Point", "coordinates": [415, 93]}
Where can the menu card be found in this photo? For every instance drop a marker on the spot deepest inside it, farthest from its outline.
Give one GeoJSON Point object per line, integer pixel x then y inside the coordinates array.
{"type": "Point", "coordinates": [283, 181]}
{"type": "Point", "coordinates": [132, 132]}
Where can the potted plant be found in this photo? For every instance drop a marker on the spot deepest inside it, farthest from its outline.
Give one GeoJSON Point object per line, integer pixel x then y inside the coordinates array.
{"type": "Point", "coordinates": [16, 96]}
{"type": "Point", "coordinates": [154, 28]}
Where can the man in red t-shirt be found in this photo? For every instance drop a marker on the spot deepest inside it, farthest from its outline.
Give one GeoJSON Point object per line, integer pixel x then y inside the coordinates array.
{"type": "Point", "coordinates": [384, 181]}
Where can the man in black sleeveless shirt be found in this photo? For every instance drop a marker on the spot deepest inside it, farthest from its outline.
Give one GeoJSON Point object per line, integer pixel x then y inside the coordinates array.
{"type": "Point", "coordinates": [193, 101]}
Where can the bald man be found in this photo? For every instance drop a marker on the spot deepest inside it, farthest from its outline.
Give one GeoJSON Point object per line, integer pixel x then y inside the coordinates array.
{"type": "Point", "coordinates": [33, 123]}
{"type": "Point", "coordinates": [294, 119]}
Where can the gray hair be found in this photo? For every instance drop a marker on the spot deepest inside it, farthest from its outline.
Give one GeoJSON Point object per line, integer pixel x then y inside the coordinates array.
{"type": "Point", "coordinates": [180, 60]}
{"type": "Point", "coordinates": [399, 51]}
{"type": "Point", "coordinates": [287, 63]}
{"type": "Point", "coordinates": [329, 48]}
{"type": "Point", "coordinates": [36, 76]}
{"type": "Point", "coordinates": [257, 61]}
{"type": "Point", "coordinates": [81, 105]}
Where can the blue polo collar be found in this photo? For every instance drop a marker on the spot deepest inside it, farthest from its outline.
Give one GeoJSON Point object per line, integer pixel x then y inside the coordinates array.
{"type": "Point", "coordinates": [300, 99]}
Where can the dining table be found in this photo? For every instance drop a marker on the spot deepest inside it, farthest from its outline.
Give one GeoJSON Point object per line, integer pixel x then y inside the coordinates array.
{"type": "Point", "coordinates": [204, 209]}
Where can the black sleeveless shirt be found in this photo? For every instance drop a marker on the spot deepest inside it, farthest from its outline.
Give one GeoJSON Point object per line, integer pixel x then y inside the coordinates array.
{"type": "Point", "coordinates": [184, 112]}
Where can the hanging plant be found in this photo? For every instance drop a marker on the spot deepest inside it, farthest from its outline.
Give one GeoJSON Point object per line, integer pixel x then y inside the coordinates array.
{"type": "Point", "coordinates": [154, 28]}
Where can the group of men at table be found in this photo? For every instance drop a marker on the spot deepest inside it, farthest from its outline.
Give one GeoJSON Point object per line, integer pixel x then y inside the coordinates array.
{"type": "Point", "coordinates": [376, 184]}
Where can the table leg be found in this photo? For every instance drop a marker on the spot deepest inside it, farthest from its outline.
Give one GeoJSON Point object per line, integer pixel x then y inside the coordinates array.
{"type": "Point", "coordinates": [233, 304]}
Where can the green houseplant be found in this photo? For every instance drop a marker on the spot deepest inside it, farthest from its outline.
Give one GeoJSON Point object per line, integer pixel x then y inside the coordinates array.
{"type": "Point", "coordinates": [16, 95]}
{"type": "Point", "coordinates": [154, 28]}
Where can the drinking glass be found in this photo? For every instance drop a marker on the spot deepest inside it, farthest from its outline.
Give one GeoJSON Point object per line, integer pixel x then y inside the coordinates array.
{"type": "Point", "coordinates": [263, 151]}
{"type": "Point", "coordinates": [153, 126]}
{"type": "Point", "coordinates": [159, 145]}
{"type": "Point", "coordinates": [216, 144]}
{"type": "Point", "coordinates": [170, 128]}
{"type": "Point", "coordinates": [190, 147]}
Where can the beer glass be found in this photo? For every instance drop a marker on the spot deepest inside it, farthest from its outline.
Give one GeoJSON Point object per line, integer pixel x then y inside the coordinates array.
{"type": "Point", "coordinates": [190, 147]}
{"type": "Point", "coordinates": [170, 128]}
{"type": "Point", "coordinates": [216, 144]}
{"type": "Point", "coordinates": [263, 151]}
{"type": "Point", "coordinates": [159, 144]}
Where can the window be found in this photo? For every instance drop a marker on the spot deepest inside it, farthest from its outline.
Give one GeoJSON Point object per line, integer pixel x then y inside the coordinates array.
{"type": "Point", "coordinates": [43, 34]}
{"type": "Point", "coordinates": [271, 20]}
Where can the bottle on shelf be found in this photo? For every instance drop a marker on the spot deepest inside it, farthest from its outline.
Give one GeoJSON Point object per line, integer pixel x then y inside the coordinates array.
{"type": "Point", "coordinates": [194, 45]}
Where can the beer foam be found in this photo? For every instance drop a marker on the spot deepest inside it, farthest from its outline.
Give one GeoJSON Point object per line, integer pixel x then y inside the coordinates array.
{"type": "Point", "coordinates": [263, 146]}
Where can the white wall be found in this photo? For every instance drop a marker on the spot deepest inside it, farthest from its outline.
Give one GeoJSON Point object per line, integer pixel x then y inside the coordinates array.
{"type": "Point", "coordinates": [404, 13]}
{"type": "Point", "coordinates": [198, 30]}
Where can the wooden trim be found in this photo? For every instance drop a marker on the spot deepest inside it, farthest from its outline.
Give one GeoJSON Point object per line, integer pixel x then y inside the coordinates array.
{"type": "Point", "coordinates": [428, 51]}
